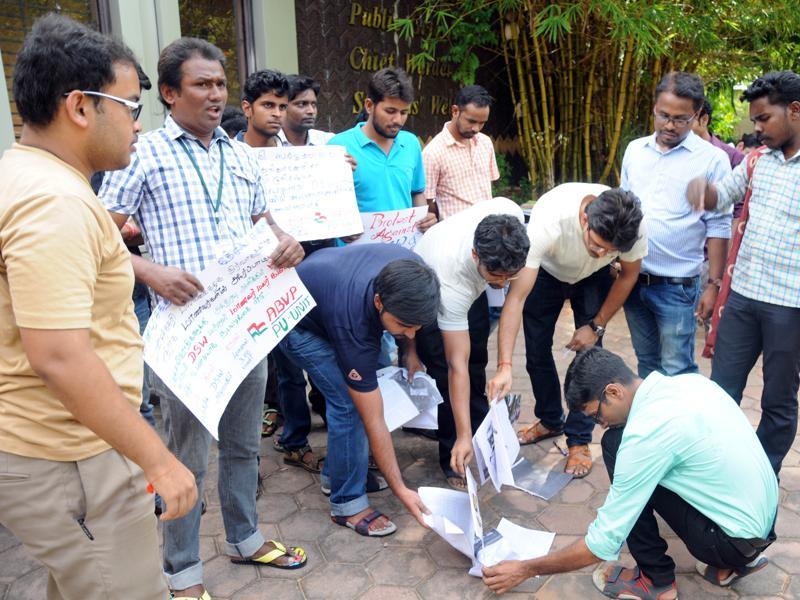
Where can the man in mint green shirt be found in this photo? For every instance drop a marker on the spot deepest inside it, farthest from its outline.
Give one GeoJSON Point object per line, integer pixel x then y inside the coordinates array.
{"type": "Point", "coordinates": [678, 446]}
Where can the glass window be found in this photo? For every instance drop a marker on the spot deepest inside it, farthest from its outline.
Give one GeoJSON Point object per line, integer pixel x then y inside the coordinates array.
{"type": "Point", "coordinates": [219, 22]}
{"type": "Point", "coordinates": [16, 19]}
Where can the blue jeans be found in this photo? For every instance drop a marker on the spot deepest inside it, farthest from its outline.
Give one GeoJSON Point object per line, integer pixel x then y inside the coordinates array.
{"type": "Point", "coordinates": [239, 442]}
{"type": "Point", "coordinates": [292, 400]}
{"type": "Point", "coordinates": [345, 468]}
{"type": "Point", "coordinates": [141, 306]}
{"type": "Point", "coordinates": [662, 325]}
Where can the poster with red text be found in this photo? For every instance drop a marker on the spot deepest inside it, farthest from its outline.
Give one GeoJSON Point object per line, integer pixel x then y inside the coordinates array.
{"type": "Point", "coordinates": [393, 227]}
{"type": "Point", "coordinates": [203, 350]}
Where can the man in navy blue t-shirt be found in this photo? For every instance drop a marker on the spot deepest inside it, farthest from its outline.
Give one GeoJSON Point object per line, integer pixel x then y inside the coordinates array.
{"type": "Point", "coordinates": [360, 291]}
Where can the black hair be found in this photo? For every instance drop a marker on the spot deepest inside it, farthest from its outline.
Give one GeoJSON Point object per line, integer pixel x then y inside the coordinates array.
{"type": "Point", "coordinates": [780, 87]}
{"type": "Point", "coordinates": [262, 82]}
{"type": "Point", "coordinates": [615, 215]}
{"type": "Point", "coordinates": [170, 62]}
{"type": "Point", "coordinates": [409, 290]}
{"type": "Point", "coordinates": [501, 243]}
{"type": "Point", "coordinates": [473, 94]}
{"type": "Point", "coordinates": [750, 140]}
{"type": "Point", "coordinates": [144, 80]}
{"type": "Point", "coordinates": [390, 82]}
{"type": "Point", "coordinates": [60, 55]}
{"type": "Point", "coordinates": [707, 111]}
{"type": "Point", "coordinates": [590, 372]}
{"type": "Point", "coordinates": [233, 120]}
{"type": "Point", "coordinates": [683, 85]}
{"type": "Point", "coordinates": [299, 84]}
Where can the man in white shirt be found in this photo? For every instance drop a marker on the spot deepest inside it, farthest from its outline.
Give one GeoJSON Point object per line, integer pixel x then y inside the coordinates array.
{"type": "Point", "coordinates": [576, 231]}
{"type": "Point", "coordinates": [300, 117]}
{"type": "Point", "coordinates": [483, 244]}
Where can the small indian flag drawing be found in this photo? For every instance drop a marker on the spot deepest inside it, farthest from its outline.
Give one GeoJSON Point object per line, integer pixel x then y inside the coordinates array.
{"type": "Point", "coordinates": [319, 218]}
{"type": "Point", "coordinates": [256, 329]}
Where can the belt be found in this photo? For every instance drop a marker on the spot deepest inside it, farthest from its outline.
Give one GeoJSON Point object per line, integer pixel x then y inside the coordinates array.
{"type": "Point", "coordinates": [750, 547]}
{"type": "Point", "coordinates": [647, 279]}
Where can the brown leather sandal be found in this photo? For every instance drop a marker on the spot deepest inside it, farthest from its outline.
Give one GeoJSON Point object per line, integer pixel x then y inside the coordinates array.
{"type": "Point", "coordinates": [579, 456]}
{"type": "Point", "coordinates": [536, 433]}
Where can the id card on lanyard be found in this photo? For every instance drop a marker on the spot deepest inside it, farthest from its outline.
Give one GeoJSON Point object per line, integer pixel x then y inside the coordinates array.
{"type": "Point", "coordinates": [226, 242]}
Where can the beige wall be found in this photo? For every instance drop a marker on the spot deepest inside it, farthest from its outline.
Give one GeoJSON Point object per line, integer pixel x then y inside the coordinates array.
{"type": "Point", "coordinates": [275, 35]}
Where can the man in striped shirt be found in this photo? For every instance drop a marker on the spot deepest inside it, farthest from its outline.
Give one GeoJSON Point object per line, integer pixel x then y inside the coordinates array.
{"type": "Point", "coordinates": [762, 314]}
{"type": "Point", "coordinates": [460, 165]}
{"type": "Point", "coordinates": [661, 307]}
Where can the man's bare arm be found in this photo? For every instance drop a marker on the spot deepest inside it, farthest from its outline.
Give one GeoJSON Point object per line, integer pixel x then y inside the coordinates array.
{"type": "Point", "coordinates": [508, 574]}
{"type": "Point", "coordinates": [510, 319]}
{"type": "Point", "coordinates": [370, 407]}
{"type": "Point", "coordinates": [65, 360]}
{"type": "Point", "coordinates": [456, 352]}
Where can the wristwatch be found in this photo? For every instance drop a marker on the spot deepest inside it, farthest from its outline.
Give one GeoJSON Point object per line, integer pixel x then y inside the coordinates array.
{"type": "Point", "coordinates": [599, 330]}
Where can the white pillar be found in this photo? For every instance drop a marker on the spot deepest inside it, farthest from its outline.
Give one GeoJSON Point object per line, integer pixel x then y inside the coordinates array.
{"type": "Point", "coordinates": [6, 123]}
{"type": "Point", "coordinates": [275, 35]}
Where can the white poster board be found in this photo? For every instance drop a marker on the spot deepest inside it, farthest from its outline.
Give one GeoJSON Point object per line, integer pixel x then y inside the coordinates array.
{"type": "Point", "coordinates": [203, 350]}
{"type": "Point", "coordinates": [310, 191]}
{"type": "Point", "coordinates": [411, 404]}
{"type": "Point", "coordinates": [393, 227]}
{"type": "Point", "coordinates": [496, 446]}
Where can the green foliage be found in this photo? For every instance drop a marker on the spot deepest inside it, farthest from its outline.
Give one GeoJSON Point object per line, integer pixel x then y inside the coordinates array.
{"type": "Point", "coordinates": [552, 50]}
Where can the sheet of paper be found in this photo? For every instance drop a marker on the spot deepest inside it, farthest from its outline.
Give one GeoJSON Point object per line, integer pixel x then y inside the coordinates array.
{"type": "Point", "coordinates": [413, 405]}
{"type": "Point", "coordinates": [455, 517]}
{"type": "Point", "coordinates": [450, 517]}
{"type": "Point", "coordinates": [496, 447]}
{"type": "Point", "coordinates": [310, 191]}
{"type": "Point", "coordinates": [392, 227]}
{"type": "Point", "coordinates": [204, 349]}
{"type": "Point", "coordinates": [542, 479]}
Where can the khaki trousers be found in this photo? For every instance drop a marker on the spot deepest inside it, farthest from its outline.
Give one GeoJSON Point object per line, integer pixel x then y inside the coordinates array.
{"type": "Point", "coordinates": [90, 522]}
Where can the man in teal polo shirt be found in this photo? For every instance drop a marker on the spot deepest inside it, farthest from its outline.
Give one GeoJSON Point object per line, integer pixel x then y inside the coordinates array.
{"type": "Point", "coordinates": [678, 446]}
{"type": "Point", "coordinates": [389, 175]}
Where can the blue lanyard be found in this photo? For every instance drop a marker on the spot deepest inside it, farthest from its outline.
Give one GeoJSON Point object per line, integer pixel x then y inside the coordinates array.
{"type": "Point", "coordinates": [214, 204]}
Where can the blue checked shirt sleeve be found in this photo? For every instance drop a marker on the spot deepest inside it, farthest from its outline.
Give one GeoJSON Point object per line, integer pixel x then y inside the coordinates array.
{"type": "Point", "coordinates": [732, 188]}
{"type": "Point", "coordinates": [122, 191]}
{"type": "Point", "coordinates": [260, 204]}
{"type": "Point", "coordinates": [718, 223]}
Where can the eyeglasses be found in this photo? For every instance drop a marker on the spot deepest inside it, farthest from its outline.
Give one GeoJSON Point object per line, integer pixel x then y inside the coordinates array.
{"type": "Point", "coordinates": [677, 121]}
{"type": "Point", "coordinates": [596, 417]}
{"type": "Point", "coordinates": [134, 107]}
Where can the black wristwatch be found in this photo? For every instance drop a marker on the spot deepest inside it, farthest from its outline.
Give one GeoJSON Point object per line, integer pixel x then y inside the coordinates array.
{"type": "Point", "coordinates": [599, 330]}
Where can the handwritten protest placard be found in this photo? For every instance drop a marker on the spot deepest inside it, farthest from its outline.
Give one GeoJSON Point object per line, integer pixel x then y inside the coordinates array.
{"type": "Point", "coordinates": [310, 191]}
{"type": "Point", "coordinates": [393, 227]}
{"type": "Point", "coordinates": [203, 350]}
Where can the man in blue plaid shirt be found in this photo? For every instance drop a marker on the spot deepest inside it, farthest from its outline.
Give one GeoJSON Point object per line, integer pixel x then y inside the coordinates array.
{"type": "Point", "coordinates": [195, 192]}
{"type": "Point", "coordinates": [762, 314]}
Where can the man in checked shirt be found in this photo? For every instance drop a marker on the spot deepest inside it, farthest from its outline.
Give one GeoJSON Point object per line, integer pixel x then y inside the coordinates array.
{"type": "Point", "coordinates": [762, 314]}
{"type": "Point", "coordinates": [195, 192]}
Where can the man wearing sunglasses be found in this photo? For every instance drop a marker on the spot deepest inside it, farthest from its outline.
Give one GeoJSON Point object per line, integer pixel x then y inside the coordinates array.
{"type": "Point", "coordinates": [484, 244]}
{"type": "Point", "coordinates": [677, 446]}
{"type": "Point", "coordinates": [75, 455]}
{"type": "Point", "coordinates": [661, 310]}
{"type": "Point", "coordinates": [576, 231]}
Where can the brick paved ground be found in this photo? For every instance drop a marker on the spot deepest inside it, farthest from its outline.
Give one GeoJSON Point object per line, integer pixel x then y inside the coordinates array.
{"type": "Point", "coordinates": [415, 563]}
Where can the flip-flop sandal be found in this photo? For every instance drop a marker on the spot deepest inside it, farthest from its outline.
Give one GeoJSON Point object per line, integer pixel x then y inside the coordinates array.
{"type": "Point", "coordinates": [296, 552]}
{"type": "Point", "coordinates": [711, 573]}
{"type": "Point", "coordinates": [536, 433]}
{"type": "Point", "coordinates": [296, 458]}
{"type": "Point", "coordinates": [204, 596]}
{"type": "Point", "coordinates": [362, 527]}
{"type": "Point", "coordinates": [270, 425]}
